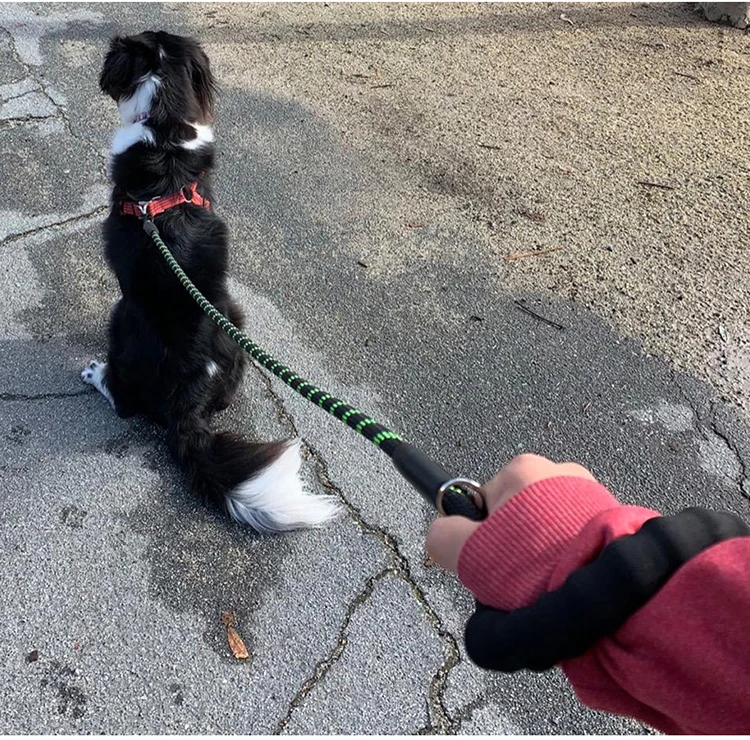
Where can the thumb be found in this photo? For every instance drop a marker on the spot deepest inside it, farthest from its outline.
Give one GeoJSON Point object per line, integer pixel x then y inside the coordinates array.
{"type": "Point", "coordinates": [445, 538]}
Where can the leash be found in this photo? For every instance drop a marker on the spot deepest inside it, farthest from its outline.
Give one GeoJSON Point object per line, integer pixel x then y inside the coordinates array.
{"type": "Point", "coordinates": [450, 495]}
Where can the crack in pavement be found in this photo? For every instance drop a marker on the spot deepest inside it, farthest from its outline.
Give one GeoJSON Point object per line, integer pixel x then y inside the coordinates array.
{"type": "Point", "coordinates": [742, 480]}
{"type": "Point", "coordinates": [440, 720]}
{"type": "Point", "coordinates": [63, 115]}
{"type": "Point", "coordinates": [21, 95]}
{"type": "Point", "coordinates": [42, 396]}
{"type": "Point", "coordinates": [323, 666]}
{"type": "Point", "coordinates": [689, 401]}
{"type": "Point", "coordinates": [708, 421]}
{"type": "Point", "coordinates": [11, 238]}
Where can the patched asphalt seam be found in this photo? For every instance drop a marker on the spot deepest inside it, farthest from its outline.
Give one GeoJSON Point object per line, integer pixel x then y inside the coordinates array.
{"type": "Point", "coordinates": [9, 123]}
{"type": "Point", "coordinates": [42, 396]}
{"type": "Point", "coordinates": [440, 720]}
{"type": "Point", "coordinates": [466, 712]}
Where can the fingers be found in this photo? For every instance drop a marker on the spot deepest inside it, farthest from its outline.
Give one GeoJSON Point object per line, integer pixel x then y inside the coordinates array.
{"type": "Point", "coordinates": [446, 537]}
{"type": "Point", "coordinates": [524, 471]}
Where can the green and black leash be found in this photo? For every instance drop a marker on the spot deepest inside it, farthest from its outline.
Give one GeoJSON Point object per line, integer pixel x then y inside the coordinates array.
{"type": "Point", "coordinates": [450, 495]}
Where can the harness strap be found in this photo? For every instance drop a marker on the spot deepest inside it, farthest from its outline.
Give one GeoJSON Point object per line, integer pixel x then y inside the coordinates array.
{"type": "Point", "coordinates": [155, 206]}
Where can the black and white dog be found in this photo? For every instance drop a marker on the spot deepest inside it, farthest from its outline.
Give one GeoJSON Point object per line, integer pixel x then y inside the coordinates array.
{"type": "Point", "coordinates": [168, 360]}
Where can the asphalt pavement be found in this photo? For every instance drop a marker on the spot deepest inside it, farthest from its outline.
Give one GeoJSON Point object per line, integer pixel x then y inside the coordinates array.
{"type": "Point", "coordinates": [369, 234]}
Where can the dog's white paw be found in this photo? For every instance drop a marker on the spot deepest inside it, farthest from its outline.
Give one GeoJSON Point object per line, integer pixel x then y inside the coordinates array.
{"type": "Point", "coordinates": [93, 374]}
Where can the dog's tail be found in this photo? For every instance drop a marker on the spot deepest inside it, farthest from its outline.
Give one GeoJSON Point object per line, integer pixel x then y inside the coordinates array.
{"type": "Point", "coordinates": [257, 484]}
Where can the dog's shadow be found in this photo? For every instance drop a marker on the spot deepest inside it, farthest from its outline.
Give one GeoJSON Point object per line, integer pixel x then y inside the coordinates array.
{"type": "Point", "coordinates": [52, 424]}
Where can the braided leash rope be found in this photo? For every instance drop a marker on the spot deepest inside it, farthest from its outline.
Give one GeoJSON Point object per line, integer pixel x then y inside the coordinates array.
{"type": "Point", "coordinates": [357, 420]}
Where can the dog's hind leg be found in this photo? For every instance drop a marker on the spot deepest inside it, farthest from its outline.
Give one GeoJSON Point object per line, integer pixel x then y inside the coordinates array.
{"type": "Point", "coordinates": [96, 374]}
{"type": "Point", "coordinates": [103, 376]}
{"type": "Point", "coordinates": [233, 362]}
{"type": "Point", "coordinates": [131, 363]}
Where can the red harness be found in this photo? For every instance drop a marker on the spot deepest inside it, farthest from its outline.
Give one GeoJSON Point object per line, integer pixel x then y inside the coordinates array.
{"type": "Point", "coordinates": [155, 206]}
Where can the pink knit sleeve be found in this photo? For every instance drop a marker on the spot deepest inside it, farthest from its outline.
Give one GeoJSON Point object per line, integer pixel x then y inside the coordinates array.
{"type": "Point", "coordinates": [510, 560]}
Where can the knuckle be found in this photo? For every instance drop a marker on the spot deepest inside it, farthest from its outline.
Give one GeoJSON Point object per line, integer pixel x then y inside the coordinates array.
{"type": "Point", "coordinates": [526, 464]}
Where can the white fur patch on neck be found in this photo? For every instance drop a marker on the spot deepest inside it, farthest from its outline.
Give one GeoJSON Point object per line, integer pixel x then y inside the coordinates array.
{"type": "Point", "coordinates": [140, 101]}
{"type": "Point", "coordinates": [137, 104]}
{"type": "Point", "coordinates": [203, 135]}
{"type": "Point", "coordinates": [127, 136]}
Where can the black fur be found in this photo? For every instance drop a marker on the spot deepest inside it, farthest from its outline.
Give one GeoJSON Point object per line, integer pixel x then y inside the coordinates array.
{"type": "Point", "coordinates": [160, 341]}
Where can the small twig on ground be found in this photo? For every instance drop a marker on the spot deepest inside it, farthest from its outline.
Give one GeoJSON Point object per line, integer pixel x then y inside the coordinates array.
{"type": "Point", "coordinates": [490, 146]}
{"type": "Point", "coordinates": [534, 216]}
{"type": "Point", "coordinates": [524, 255]}
{"type": "Point", "coordinates": [685, 74]}
{"type": "Point", "coordinates": [378, 87]}
{"type": "Point", "coordinates": [655, 185]}
{"type": "Point", "coordinates": [537, 316]}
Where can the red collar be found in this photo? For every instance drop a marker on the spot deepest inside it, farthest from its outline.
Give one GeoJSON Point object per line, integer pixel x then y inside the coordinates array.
{"type": "Point", "coordinates": [155, 206]}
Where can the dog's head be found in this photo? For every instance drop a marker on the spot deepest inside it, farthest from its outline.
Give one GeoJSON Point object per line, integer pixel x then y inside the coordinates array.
{"type": "Point", "coordinates": [174, 70]}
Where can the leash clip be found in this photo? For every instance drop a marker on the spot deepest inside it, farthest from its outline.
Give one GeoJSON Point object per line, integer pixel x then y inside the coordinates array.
{"type": "Point", "coordinates": [149, 226]}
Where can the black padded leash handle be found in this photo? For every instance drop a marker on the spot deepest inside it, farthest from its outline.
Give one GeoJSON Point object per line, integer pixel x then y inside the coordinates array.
{"type": "Point", "coordinates": [451, 496]}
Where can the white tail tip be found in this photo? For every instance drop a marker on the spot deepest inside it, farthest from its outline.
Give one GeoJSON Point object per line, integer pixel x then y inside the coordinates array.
{"type": "Point", "coordinates": [275, 500]}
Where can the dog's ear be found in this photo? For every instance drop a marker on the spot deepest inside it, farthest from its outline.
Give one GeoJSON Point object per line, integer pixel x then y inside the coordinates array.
{"type": "Point", "coordinates": [203, 82]}
{"type": "Point", "coordinates": [128, 59]}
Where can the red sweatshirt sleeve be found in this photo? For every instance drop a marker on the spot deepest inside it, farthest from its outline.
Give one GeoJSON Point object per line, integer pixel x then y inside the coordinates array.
{"type": "Point", "coordinates": [682, 662]}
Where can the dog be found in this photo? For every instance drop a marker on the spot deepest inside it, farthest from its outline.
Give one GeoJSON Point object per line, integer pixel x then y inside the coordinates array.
{"type": "Point", "coordinates": [166, 359]}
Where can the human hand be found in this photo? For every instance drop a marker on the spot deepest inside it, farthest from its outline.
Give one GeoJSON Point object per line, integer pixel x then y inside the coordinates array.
{"type": "Point", "coordinates": [447, 535]}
